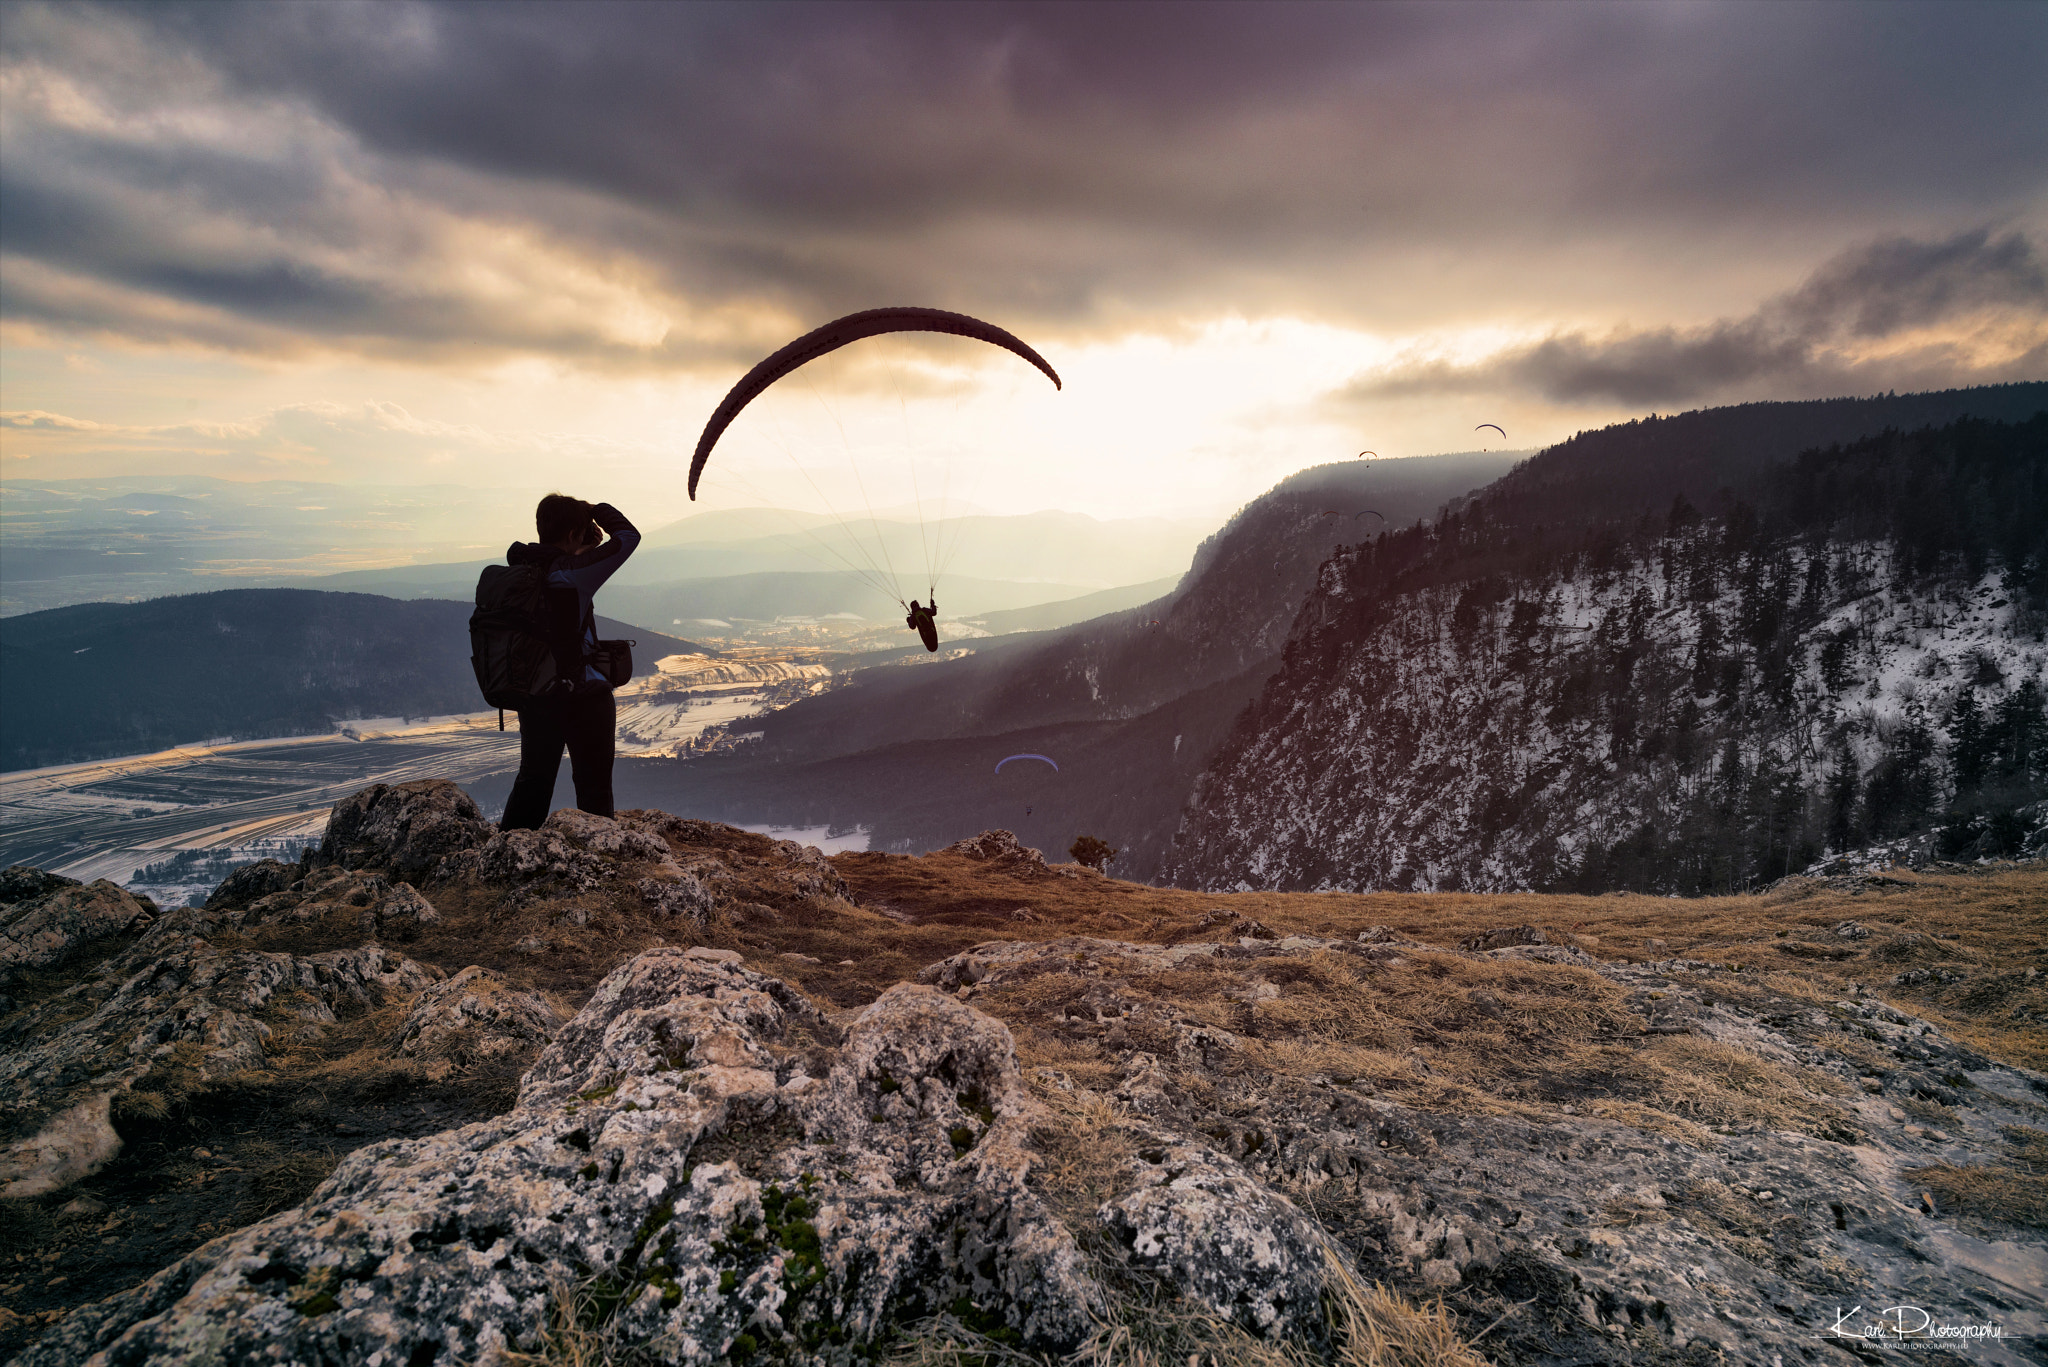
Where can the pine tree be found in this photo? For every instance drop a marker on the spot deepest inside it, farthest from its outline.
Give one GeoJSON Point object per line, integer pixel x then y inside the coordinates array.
{"type": "Point", "coordinates": [1842, 833]}
{"type": "Point", "coordinates": [1901, 787]}
{"type": "Point", "coordinates": [2022, 734]}
{"type": "Point", "coordinates": [1968, 753]}
{"type": "Point", "coordinates": [1706, 652]}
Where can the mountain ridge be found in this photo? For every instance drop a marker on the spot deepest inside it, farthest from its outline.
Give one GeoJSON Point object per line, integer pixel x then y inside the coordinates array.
{"type": "Point", "coordinates": [1687, 704]}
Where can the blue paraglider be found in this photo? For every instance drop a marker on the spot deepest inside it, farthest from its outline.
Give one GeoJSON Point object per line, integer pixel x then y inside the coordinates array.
{"type": "Point", "coordinates": [1047, 758]}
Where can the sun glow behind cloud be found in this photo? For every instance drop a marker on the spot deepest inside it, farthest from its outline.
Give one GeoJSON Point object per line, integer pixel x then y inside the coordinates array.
{"type": "Point", "coordinates": [1186, 423]}
{"type": "Point", "coordinates": [1251, 239]}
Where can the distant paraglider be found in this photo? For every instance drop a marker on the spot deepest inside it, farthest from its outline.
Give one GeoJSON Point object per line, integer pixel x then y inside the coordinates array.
{"type": "Point", "coordinates": [836, 334]}
{"type": "Point", "coordinates": [1369, 512]}
{"type": "Point", "coordinates": [1496, 427]}
{"type": "Point", "coordinates": [1047, 758]}
{"type": "Point", "coordinates": [831, 337]}
{"type": "Point", "coordinates": [1363, 454]}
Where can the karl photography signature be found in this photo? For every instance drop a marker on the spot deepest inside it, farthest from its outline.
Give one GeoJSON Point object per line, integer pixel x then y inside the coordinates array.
{"type": "Point", "coordinates": [1907, 1326]}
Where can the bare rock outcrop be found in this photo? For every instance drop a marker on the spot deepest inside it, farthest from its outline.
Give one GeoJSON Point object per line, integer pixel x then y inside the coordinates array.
{"type": "Point", "coordinates": [20, 882]}
{"type": "Point", "coordinates": [1501, 937]}
{"type": "Point", "coordinates": [379, 908]}
{"type": "Point", "coordinates": [672, 1139]}
{"type": "Point", "coordinates": [173, 999]}
{"type": "Point", "coordinates": [1676, 1161]}
{"type": "Point", "coordinates": [404, 829]}
{"type": "Point", "coordinates": [996, 847]}
{"type": "Point", "coordinates": [572, 852]}
{"type": "Point", "coordinates": [478, 1013]}
{"type": "Point", "coordinates": [45, 927]}
{"type": "Point", "coordinates": [808, 873]}
{"type": "Point", "coordinates": [1654, 1236]}
{"type": "Point", "coordinates": [252, 881]}
{"type": "Point", "coordinates": [1225, 1240]}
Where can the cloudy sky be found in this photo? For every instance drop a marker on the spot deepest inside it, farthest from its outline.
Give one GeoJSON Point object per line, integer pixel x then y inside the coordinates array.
{"type": "Point", "coordinates": [532, 244]}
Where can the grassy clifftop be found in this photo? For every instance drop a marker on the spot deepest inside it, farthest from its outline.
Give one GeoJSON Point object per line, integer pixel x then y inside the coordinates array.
{"type": "Point", "coordinates": [1541, 1114]}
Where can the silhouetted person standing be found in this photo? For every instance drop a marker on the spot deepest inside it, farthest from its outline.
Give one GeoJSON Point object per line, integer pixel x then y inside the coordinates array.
{"type": "Point", "coordinates": [574, 550]}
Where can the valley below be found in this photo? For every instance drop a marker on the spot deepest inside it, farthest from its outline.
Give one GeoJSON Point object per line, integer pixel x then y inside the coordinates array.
{"type": "Point", "coordinates": [169, 824]}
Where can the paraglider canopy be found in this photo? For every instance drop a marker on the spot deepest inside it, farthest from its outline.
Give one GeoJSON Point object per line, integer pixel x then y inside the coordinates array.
{"type": "Point", "coordinates": [836, 334]}
{"type": "Point", "coordinates": [1047, 758]}
{"type": "Point", "coordinates": [1363, 454]}
{"type": "Point", "coordinates": [1496, 427]}
{"type": "Point", "coordinates": [1369, 512]}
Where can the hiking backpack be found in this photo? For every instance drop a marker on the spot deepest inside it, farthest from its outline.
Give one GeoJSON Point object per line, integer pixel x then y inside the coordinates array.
{"type": "Point", "coordinates": [525, 638]}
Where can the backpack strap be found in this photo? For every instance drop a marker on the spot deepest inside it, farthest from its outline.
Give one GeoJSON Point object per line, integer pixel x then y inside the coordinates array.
{"type": "Point", "coordinates": [562, 624]}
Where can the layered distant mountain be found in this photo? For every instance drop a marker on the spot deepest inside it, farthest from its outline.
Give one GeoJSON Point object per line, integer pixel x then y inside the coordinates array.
{"type": "Point", "coordinates": [135, 537]}
{"type": "Point", "coordinates": [122, 538]}
{"type": "Point", "coordinates": [759, 564]}
{"type": "Point", "coordinates": [104, 679]}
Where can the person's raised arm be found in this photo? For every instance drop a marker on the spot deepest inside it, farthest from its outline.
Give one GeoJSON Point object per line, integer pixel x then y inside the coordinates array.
{"type": "Point", "coordinates": [589, 570]}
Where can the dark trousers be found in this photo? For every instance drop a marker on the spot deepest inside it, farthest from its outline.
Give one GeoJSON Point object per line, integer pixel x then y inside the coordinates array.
{"type": "Point", "coordinates": [586, 724]}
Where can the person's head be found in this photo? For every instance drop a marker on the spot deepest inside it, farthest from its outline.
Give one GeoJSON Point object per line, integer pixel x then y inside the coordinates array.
{"type": "Point", "coordinates": [565, 523]}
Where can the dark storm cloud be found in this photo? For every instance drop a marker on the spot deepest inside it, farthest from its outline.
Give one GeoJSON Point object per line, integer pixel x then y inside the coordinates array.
{"type": "Point", "coordinates": [1811, 340]}
{"type": "Point", "coordinates": [1068, 163]}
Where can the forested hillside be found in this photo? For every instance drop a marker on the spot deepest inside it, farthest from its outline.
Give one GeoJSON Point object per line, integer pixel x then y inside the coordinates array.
{"type": "Point", "coordinates": [1845, 648]}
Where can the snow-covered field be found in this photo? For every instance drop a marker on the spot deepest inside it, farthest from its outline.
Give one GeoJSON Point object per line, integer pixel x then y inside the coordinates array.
{"type": "Point", "coordinates": [247, 799]}
{"type": "Point", "coordinates": [819, 836]}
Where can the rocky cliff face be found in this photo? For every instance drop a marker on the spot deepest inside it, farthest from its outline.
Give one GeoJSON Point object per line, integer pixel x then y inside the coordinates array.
{"type": "Point", "coordinates": [974, 1104]}
{"type": "Point", "coordinates": [1681, 718]}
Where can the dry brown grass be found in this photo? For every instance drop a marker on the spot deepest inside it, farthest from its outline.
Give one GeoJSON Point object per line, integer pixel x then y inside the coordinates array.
{"type": "Point", "coordinates": [1992, 924]}
{"type": "Point", "coordinates": [1375, 1327]}
{"type": "Point", "coordinates": [279, 1178]}
{"type": "Point", "coordinates": [576, 1335]}
{"type": "Point", "coordinates": [2013, 1192]}
{"type": "Point", "coordinates": [1478, 1023]}
{"type": "Point", "coordinates": [1449, 1032]}
{"type": "Point", "coordinates": [1080, 1152]}
{"type": "Point", "coordinates": [1719, 1084]}
{"type": "Point", "coordinates": [909, 912]}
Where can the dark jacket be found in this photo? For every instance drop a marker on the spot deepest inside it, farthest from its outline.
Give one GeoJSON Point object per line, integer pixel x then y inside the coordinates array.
{"type": "Point", "coordinates": [584, 573]}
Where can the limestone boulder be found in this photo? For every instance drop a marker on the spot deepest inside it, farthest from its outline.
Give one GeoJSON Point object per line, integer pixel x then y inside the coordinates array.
{"type": "Point", "coordinates": [396, 912]}
{"type": "Point", "coordinates": [808, 873]}
{"type": "Point", "coordinates": [572, 852]}
{"type": "Point", "coordinates": [997, 847]}
{"type": "Point", "coordinates": [683, 896]}
{"type": "Point", "coordinates": [1201, 1222]}
{"type": "Point", "coordinates": [380, 908]}
{"type": "Point", "coordinates": [478, 1013]}
{"type": "Point", "coordinates": [20, 882]}
{"type": "Point", "coordinates": [253, 881]}
{"type": "Point", "coordinates": [171, 999]}
{"type": "Point", "coordinates": [45, 928]}
{"type": "Point", "coordinates": [672, 1139]}
{"type": "Point", "coordinates": [404, 829]}
{"type": "Point", "coordinates": [1504, 937]}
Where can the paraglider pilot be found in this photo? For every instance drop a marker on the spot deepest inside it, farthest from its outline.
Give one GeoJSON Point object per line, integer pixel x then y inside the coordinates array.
{"type": "Point", "coordinates": [924, 621]}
